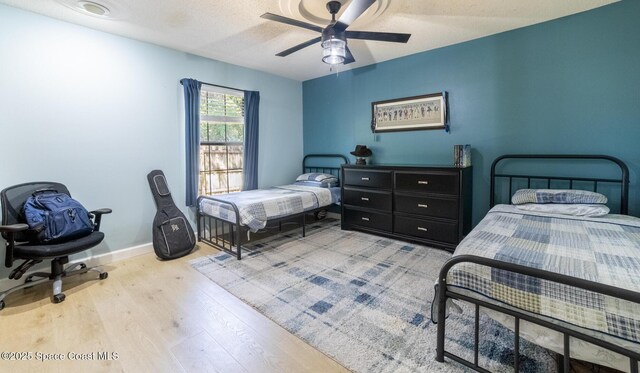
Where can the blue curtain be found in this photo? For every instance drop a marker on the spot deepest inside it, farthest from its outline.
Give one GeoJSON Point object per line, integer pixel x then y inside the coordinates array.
{"type": "Point", "coordinates": [251, 124]}
{"type": "Point", "coordinates": [192, 136]}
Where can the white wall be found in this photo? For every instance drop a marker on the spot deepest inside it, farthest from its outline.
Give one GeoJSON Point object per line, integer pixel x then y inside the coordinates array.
{"type": "Point", "coordinates": [97, 112]}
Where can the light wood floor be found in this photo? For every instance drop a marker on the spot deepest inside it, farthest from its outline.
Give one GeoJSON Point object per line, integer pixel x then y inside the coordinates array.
{"type": "Point", "coordinates": [158, 317]}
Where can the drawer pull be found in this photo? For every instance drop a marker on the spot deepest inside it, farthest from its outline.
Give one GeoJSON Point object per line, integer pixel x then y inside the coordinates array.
{"type": "Point", "coordinates": [423, 182]}
{"type": "Point", "coordinates": [422, 229]}
{"type": "Point", "coordinates": [364, 199]}
{"type": "Point", "coordinates": [365, 219]}
{"type": "Point", "coordinates": [423, 205]}
{"type": "Point", "coordinates": [364, 178]}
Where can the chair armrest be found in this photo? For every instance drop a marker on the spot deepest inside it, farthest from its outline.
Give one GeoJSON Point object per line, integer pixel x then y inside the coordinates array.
{"type": "Point", "coordinates": [101, 211]}
{"type": "Point", "coordinates": [10, 231]}
{"type": "Point", "coordinates": [97, 214]}
{"type": "Point", "coordinates": [13, 228]}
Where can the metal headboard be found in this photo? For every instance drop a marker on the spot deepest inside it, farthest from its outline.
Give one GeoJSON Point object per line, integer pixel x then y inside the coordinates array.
{"type": "Point", "coordinates": [623, 180]}
{"type": "Point", "coordinates": [308, 167]}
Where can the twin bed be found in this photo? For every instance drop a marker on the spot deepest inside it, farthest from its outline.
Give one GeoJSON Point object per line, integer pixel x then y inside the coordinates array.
{"type": "Point", "coordinates": [566, 282]}
{"type": "Point", "coordinates": [223, 221]}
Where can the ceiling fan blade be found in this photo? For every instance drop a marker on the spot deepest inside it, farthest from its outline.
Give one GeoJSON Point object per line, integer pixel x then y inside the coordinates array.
{"type": "Point", "coordinates": [379, 36]}
{"type": "Point", "coordinates": [298, 47]}
{"type": "Point", "coordinates": [353, 11]}
{"type": "Point", "coordinates": [348, 58]}
{"type": "Point", "coordinates": [290, 21]}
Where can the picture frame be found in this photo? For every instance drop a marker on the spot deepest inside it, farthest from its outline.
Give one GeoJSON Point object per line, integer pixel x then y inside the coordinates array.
{"type": "Point", "coordinates": [425, 112]}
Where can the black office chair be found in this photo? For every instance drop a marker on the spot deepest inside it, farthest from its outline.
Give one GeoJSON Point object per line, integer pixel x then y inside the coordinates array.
{"type": "Point", "coordinates": [15, 231]}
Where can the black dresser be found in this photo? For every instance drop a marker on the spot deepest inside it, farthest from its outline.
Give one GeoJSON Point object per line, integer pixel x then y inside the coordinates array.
{"type": "Point", "coordinates": [426, 204]}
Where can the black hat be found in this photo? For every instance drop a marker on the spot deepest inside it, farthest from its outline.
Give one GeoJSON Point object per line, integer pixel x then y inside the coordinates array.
{"type": "Point", "coordinates": [361, 151]}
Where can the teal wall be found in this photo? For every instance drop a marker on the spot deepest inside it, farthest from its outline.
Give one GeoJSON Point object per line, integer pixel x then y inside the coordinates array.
{"type": "Point", "coordinates": [97, 112]}
{"type": "Point", "coordinates": [570, 85]}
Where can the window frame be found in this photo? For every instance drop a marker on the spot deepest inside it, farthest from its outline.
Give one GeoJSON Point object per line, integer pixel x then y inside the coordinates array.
{"type": "Point", "coordinates": [227, 120]}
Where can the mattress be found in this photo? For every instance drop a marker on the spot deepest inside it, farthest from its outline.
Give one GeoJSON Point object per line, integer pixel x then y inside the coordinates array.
{"type": "Point", "coordinates": [604, 250]}
{"type": "Point", "coordinates": [256, 207]}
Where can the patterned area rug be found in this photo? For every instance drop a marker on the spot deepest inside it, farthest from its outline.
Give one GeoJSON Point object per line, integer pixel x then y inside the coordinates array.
{"type": "Point", "coordinates": [362, 300]}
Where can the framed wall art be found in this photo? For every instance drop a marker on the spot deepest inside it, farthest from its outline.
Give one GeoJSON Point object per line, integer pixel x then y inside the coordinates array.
{"type": "Point", "coordinates": [426, 112]}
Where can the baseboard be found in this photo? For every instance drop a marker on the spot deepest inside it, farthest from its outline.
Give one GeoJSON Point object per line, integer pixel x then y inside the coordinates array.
{"type": "Point", "coordinates": [115, 256]}
{"type": "Point", "coordinates": [334, 215]}
{"type": "Point", "coordinates": [92, 261]}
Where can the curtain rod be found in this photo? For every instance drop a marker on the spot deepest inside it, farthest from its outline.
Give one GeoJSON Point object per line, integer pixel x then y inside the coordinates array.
{"type": "Point", "coordinates": [218, 85]}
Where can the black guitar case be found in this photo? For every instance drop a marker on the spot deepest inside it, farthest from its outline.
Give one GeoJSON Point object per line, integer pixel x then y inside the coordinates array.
{"type": "Point", "coordinates": [172, 234]}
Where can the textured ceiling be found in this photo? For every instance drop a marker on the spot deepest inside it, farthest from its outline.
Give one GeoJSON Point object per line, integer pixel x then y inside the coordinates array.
{"type": "Point", "coordinates": [232, 30]}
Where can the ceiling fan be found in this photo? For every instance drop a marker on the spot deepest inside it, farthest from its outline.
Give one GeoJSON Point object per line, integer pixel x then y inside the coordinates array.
{"type": "Point", "coordinates": [334, 35]}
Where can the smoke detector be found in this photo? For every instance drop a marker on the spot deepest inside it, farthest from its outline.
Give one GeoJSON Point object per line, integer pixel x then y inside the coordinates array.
{"type": "Point", "coordinates": [94, 8]}
{"type": "Point", "coordinates": [105, 9]}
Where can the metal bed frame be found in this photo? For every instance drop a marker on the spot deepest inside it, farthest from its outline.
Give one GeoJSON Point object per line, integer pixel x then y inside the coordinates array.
{"type": "Point", "coordinates": [226, 235]}
{"type": "Point", "coordinates": [564, 360]}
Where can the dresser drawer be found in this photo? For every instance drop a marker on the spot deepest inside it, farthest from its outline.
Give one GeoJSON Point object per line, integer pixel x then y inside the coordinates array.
{"type": "Point", "coordinates": [368, 219]}
{"type": "Point", "coordinates": [380, 179]}
{"type": "Point", "coordinates": [428, 206]}
{"type": "Point", "coordinates": [442, 183]}
{"type": "Point", "coordinates": [432, 230]}
{"type": "Point", "coordinates": [367, 198]}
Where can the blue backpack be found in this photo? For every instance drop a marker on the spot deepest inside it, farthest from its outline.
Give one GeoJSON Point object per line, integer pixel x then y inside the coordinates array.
{"type": "Point", "coordinates": [54, 216]}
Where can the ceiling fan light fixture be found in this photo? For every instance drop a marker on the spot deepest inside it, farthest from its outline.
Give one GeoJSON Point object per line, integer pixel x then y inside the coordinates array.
{"type": "Point", "coordinates": [334, 51]}
{"type": "Point", "coordinates": [333, 37]}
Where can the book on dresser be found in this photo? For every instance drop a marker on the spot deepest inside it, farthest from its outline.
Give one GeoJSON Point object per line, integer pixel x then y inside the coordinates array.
{"type": "Point", "coordinates": [430, 205]}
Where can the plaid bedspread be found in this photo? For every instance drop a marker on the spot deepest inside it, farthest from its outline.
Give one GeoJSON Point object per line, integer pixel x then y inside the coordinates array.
{"type": "Point", "coordinates": [258, 206]}
{"type": "Point", "coordinates": [604, 250]}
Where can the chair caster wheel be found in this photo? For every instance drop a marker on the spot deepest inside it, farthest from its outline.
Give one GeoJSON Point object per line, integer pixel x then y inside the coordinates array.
{"type": "Point", "coordinates": [83, 266]}
{"type": "Point", "coordinates": [104, 275]}
{"type": "Point", "coordinates": [1, 305]}
{"type": "Point", "coordinates": [58, 298]}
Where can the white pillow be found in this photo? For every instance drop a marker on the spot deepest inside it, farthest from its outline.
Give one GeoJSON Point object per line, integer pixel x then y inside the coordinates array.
{"type": "Point", "coordinates": [573, 209]}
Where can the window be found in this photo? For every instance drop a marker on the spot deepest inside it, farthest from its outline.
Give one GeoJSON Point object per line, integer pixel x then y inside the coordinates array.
{"type": "Point", "coordinates": [221, 137]}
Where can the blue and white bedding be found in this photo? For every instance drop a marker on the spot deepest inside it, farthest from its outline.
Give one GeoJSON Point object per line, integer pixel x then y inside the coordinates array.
{"type": "Point", "coordinates": [603, 249]}
{"type": "Point", "coordinates": [561, 196]}
{"type": "Point", "coordinates": [258, 206]}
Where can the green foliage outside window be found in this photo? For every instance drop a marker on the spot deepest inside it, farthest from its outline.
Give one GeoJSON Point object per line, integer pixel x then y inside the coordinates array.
{"type": "Point", "coordinates": [221, 106]}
